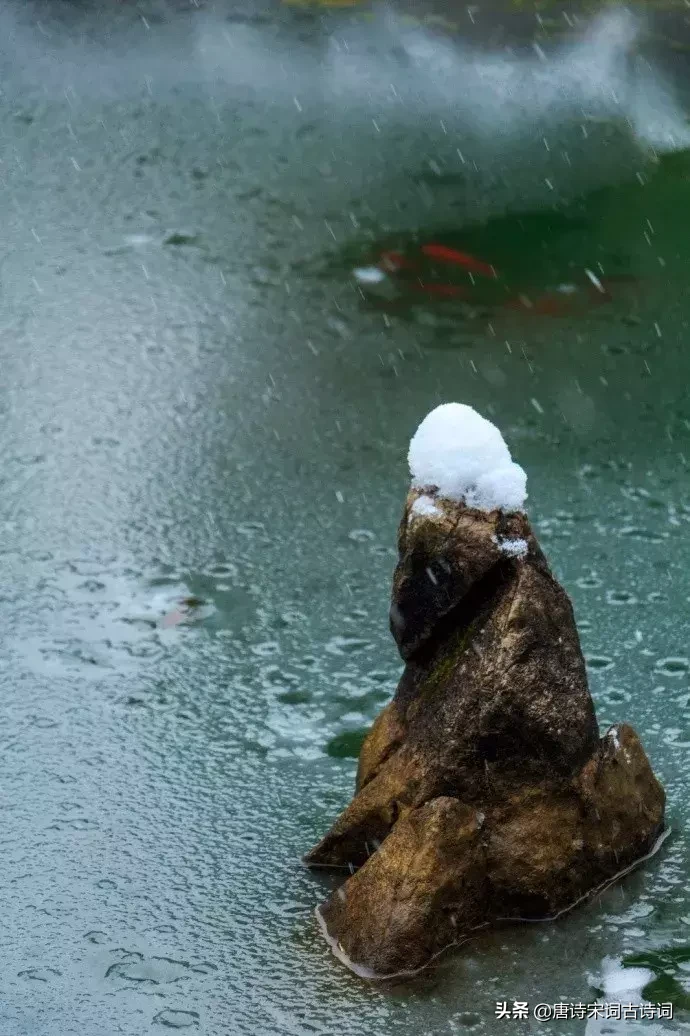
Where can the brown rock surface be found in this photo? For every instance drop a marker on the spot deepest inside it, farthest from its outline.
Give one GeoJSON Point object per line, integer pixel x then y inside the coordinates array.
{"type": "Point", "coordinates": [483, 790]}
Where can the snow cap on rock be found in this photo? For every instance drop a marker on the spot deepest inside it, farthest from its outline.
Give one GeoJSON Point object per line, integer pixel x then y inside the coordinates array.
{"type": "Point", "coordinates": [465, 457]}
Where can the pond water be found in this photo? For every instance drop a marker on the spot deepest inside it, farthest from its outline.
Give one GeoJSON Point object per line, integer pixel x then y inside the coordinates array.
{"type": "Point", "coordinates": [205, 423]}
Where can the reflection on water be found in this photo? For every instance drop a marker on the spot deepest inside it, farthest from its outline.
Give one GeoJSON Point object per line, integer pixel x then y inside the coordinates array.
{"type": "Point", "coordinates": [205, 422]}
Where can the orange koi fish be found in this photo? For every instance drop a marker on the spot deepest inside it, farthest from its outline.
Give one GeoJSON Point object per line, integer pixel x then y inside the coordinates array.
{"type": "Point", "coordinates": [451, 255]}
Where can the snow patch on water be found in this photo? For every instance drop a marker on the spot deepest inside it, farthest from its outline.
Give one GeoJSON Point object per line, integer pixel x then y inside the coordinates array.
{"type": "Point", "coordinates": [618, 981]}
{"type": "Point", "coordinates": [622, 986]}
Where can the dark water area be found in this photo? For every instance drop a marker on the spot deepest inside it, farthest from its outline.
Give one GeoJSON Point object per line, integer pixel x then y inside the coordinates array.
{"type": "Point", "coordinates": [205, 419]}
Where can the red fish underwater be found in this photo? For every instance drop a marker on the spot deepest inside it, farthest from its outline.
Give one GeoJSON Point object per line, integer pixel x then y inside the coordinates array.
{"type": "Point", "coordinates": [397, 272]}
{"type": "Point", "coordinates": [393, 262]}
{"type": "Point", "coordinates": [463, 259]}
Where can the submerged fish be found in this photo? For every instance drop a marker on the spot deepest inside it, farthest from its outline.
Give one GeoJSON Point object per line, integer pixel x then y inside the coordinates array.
{"type": "Point", "coordinates": [393, 261]}
{"type": "Point", "coordinates": [451, 255]}
{"type": "Point", "coordinates": [397, 272]}
{"type": "Point", "coordinates": [569, 299]}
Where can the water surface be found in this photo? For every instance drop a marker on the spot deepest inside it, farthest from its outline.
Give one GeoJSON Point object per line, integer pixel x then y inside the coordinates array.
{"type": "Point", "coordinates": [200, 406]}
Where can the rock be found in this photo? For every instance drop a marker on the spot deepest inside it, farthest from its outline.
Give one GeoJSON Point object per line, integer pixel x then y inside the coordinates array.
{"type": "Point", "coordinates": [412, 882]}
{"type": "Point", "coordinates": [484, 791]}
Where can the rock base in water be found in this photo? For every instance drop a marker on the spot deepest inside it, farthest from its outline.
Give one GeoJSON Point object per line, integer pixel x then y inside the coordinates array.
{"type": "Point", "coordinates": [484, 792]}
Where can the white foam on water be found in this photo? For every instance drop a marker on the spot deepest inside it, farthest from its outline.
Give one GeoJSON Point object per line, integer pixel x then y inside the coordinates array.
{"type": "Point", "coordinates": [621, 985]}
{"type": "Point", "coordinates": [403, 72]}
{"type": "Point", "coordinates": [385, 69]}
{"type": "Point", "coordinates": [368, 275]}
{"type": "Point", "coordinates": [618, 981]}
{"type": "Point", "coordinates": [378, 114]}
{"type": "Point", "coordinates": [419, 125]}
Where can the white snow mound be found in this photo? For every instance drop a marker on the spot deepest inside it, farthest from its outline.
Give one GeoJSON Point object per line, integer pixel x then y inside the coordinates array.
{"type": "Point", "coordinates": [465, 457]}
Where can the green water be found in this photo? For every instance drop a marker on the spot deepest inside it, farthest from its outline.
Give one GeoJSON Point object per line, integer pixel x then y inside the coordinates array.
{"type": "Point", "coordinates": [198, 402]}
